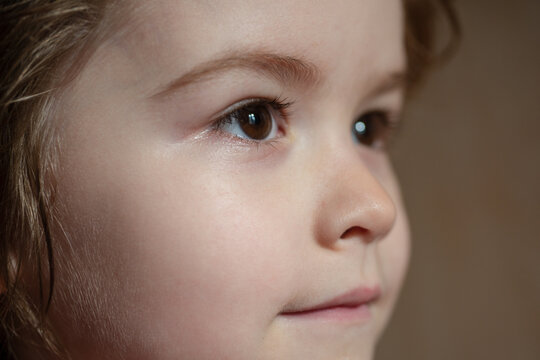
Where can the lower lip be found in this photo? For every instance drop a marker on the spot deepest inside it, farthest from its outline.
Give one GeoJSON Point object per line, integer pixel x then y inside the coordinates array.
{"type": "Point", "coordinates": [360, 313]}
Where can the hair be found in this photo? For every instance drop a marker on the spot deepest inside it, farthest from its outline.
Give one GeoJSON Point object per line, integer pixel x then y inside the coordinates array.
{"type": "Point", "coordinates": [42, 39]}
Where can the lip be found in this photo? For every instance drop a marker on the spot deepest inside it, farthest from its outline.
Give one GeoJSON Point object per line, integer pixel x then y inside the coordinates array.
{"type": "Point", "coordinates": [353, 305]}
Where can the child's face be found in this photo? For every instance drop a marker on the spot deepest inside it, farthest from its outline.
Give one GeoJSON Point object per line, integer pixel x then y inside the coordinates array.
{"type": "Point", "coordinates": [190, 240]}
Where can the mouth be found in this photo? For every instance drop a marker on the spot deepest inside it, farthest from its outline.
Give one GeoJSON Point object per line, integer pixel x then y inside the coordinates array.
{"type": "Point", "coordinates": [354, 305]}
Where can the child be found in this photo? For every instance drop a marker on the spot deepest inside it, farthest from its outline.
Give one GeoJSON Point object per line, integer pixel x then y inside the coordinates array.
{"type": "Point", "coordinates": [202, 179]}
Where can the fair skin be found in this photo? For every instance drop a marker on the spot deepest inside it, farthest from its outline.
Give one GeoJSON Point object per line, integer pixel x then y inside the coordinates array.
{"type": "Point", "coordinates": [185, 240]}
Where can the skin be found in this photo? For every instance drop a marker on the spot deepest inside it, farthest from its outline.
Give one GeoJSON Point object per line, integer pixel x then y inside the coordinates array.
{"type": "Point", "coordinates": [182, 242]}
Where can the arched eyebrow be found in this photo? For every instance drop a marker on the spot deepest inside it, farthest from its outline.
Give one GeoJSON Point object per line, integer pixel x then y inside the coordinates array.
{"type": "Point", "coordinates": [285, 69]}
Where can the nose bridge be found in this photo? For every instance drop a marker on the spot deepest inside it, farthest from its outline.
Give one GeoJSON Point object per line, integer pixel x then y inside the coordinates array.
{"type": "Point", "coordinates": [352, 202]}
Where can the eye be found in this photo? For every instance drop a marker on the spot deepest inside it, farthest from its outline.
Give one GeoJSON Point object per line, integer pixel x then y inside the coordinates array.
{"type": "Point", "coordinates": [253, 119]}
{"type": "Point", "coordinates": [372, 129]}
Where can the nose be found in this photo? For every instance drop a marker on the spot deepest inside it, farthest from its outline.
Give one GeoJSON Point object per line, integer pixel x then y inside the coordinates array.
{"type": "Point", "coordinates": [352, 203]}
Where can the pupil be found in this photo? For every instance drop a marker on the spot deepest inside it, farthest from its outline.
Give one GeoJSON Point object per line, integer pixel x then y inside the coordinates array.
{"type": "Point", "coordinates": [256, 122]}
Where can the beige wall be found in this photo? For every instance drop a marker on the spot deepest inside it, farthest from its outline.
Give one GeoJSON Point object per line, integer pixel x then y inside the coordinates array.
{"type": "Point", "coordinates": [469, 160]}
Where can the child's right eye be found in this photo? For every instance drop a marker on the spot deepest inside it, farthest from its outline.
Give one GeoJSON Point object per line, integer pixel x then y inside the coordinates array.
{"type": "Point", "coordinates": [256, 120]}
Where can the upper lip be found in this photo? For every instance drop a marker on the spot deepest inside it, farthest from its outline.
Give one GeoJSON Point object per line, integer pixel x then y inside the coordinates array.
{"type": "Point", "coordinates": [353, 298]}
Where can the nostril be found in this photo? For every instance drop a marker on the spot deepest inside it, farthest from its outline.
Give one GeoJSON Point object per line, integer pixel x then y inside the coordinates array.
{"type": "Point", "coordinates": [356, 232]}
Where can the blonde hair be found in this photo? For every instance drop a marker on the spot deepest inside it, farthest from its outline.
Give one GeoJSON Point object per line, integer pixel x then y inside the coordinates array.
{"type": "Point", "coordinates": [39, 38]}
{"type": "Point", "coordinates": [43, 45]}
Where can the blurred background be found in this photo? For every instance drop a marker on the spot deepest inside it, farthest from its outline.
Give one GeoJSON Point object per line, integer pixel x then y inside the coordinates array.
{"type": "Point", "coordinates": [469, 161]}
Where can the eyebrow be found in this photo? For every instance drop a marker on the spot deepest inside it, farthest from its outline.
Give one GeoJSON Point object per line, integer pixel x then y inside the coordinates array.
{"type": "Point", "coordinates": [285, 69]}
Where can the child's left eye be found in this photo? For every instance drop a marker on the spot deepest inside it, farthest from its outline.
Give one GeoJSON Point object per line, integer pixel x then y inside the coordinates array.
{"type": "Point", "coordinates": [254, 119]}
{"type": "Point", "coordinates": [373, 129]}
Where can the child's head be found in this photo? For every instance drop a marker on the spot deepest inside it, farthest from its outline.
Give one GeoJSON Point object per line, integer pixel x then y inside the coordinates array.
{"type": "Point", "coordinates": [200, 179]}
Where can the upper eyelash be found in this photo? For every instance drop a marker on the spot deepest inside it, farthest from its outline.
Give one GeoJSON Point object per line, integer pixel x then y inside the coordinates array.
{"type": "Point", "coordinates": [282, 106]}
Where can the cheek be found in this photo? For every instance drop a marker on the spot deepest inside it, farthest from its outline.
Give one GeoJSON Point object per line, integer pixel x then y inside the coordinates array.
{"type": "Point", "coordinates": [394, 254]}
{"type": "Point", "coordinates": [395, 250]}
{"type": "Point", "coordinates": [192, 250]}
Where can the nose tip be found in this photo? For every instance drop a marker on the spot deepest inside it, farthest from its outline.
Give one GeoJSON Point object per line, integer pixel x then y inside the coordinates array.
{"type": "Point", "coordinates": [355, 206]}
{"type": "Point", "coordinates": [371, 223]}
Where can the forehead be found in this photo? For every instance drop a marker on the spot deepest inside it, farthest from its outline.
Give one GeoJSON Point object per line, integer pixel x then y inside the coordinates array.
{"type": "Point", "coordinates": [347, 38]}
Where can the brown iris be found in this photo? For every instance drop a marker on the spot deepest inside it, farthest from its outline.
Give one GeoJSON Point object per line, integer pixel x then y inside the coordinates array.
{"type": "Point", "coordinates": [255, 121]}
